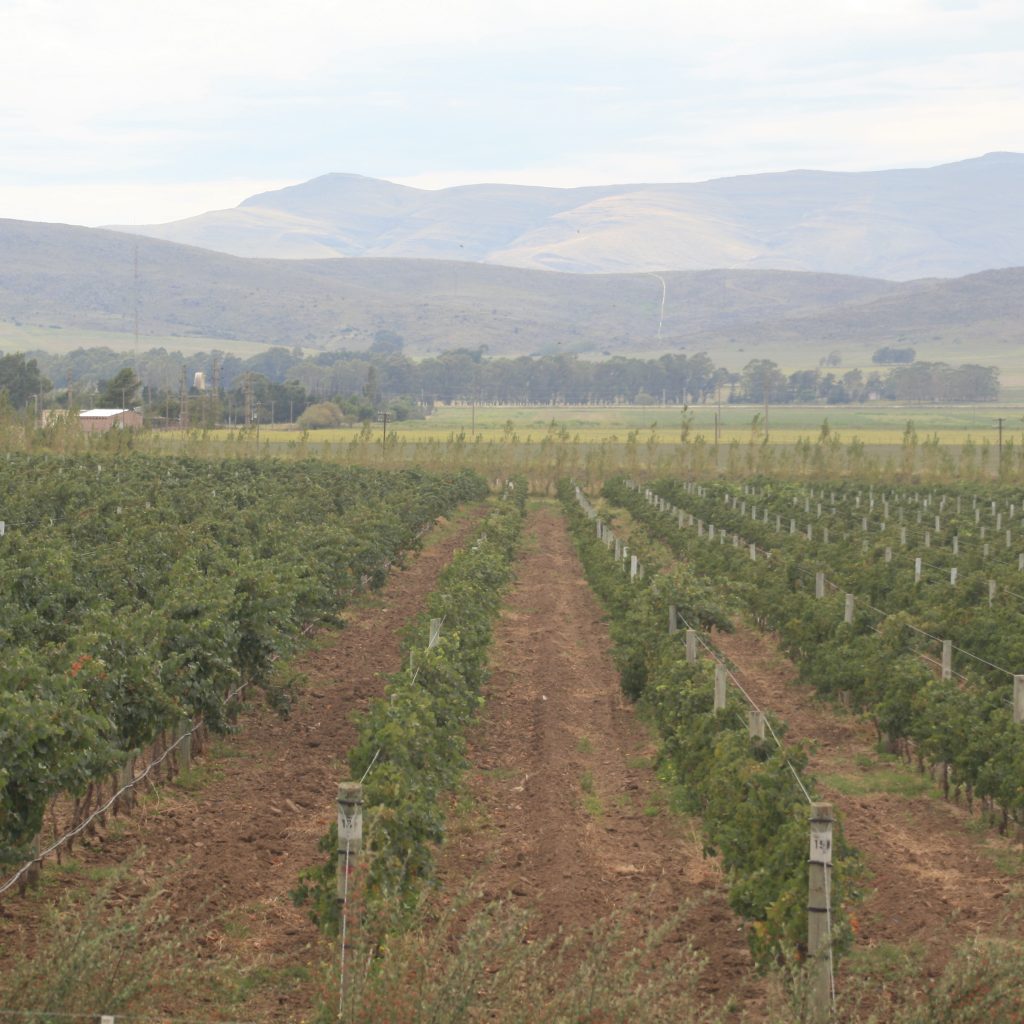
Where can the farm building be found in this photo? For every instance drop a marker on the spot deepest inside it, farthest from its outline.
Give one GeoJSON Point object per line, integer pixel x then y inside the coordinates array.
{"type": "Point", "coordinates": [96, 421]}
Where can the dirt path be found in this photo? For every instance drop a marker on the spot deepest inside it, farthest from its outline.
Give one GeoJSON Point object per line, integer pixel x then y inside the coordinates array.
{"type": "Point", "coordinates": [565, 815]}
{"type": "Point", "coordinates": [935, 876]}
{"type": "Point", "coordinates": [228, 854]}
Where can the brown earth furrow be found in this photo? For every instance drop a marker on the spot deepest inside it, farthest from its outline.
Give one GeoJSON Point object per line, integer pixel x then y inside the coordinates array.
{"type": "Point", "coordinates": [932, 879]}
{"type": "Point", "coordinates": [228, 854]}
{"type": "Point", "coordinates": [565, 815]}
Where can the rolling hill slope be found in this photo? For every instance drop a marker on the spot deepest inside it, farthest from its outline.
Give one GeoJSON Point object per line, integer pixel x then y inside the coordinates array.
{"type": "Point", "coordinates": [68, 278]}
{"type": "Point", "coordinates": [945, 221]}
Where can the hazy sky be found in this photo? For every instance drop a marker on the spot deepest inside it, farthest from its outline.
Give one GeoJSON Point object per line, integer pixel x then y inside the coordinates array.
{"type": "Point", "coordinates": [145, 111]}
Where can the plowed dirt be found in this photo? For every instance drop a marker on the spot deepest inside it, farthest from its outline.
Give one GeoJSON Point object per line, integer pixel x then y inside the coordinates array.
{"type": "Point", "coordinates": [227, 855]}
{"type": "Point", "coordinates": [565, 816]}
{"type": "Point", "coordinates": [935, 875]}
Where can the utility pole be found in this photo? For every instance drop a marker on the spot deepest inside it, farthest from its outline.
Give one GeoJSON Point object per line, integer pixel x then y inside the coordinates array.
{"type": "Point", "coordinates": [383, 417]}
{"type": "Point", "coordinates": [217, 369]}
{"type": "Point", "coordinates": [135, 360]}
{"type": "Point", "coordinates": [183, 399]}
{"type": "Point", "coordinates": [247, 393]}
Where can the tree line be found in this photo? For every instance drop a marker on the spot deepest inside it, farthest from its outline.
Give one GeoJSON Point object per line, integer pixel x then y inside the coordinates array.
{"type": "Point", "coordinates": [277, 385]}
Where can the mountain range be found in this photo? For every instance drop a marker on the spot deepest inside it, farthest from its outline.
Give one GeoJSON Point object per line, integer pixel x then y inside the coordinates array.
{"type": "Point", "coordinates": [63, 278]}
{"type": "Point", "coordinates": [898, 225]}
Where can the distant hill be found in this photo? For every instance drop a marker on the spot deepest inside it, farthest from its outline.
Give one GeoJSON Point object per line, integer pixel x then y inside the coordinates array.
{"type": "Point", "coordinates": [56, 276]}
{"type": "Point", "coordinates": [899, 225]}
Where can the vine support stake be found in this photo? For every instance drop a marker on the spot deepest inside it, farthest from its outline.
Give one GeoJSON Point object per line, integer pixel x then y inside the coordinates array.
{"type": "Point", "coordinates": [721, 681]}
{"type": "Point", "coordinates": [947, 659]}
{"type": "Point", "coordinates": [819, 585]}
{"type": "Point", "coordinates": [1018, 699]}
{"type": "Point", "coordinates": [691, 645]}
{"type": "Point", "coordinates": [672, 623]}
{"type": "Point", "coordinates": [350, 847]}
{"type": "Point", "coordinates": [755, 724]}
{"type": "Point", "coordinates": [848, 610]}
{"type": "Point", "coordinates": [819, 915]}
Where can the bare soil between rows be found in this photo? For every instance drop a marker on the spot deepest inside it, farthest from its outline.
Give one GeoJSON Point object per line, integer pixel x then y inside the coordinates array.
{"type": "Point", "coordinates": [226, 856]}
{"type": "Point", "coordinates": [565, 816]}
{"type": "Point", "coordinates": [934, 876]}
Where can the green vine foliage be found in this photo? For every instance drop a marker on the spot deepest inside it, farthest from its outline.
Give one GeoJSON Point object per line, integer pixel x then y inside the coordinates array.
{"type": "Point", "coordinates": [753, 812]}
{"type": "Point", "coordinates": [138, 591]}
{"type": "Point", "coordinates": [875, 665]}
{"type": "Point", "coordinates": [410, 744]}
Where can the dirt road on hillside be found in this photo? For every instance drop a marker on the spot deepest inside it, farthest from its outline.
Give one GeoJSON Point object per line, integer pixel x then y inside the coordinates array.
{"type": "Point", "coordinates": [566, 818]}
{"type": "Point", "coordinates": [228, 853]}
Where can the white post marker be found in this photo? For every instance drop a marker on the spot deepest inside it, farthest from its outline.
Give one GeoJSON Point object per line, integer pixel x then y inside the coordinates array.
{"type": "Point", "coordinates": [848, 610]}
{"type": "Point", "coordinates": [947, 659]}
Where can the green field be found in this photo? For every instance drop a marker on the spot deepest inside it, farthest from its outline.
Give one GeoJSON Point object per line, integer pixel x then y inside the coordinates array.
{"type": "Point", "coordinates": [880, 423]}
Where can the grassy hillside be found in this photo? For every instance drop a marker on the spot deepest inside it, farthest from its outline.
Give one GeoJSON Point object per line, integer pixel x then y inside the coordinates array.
{"type": "Point", "coordinates": [62, 287]}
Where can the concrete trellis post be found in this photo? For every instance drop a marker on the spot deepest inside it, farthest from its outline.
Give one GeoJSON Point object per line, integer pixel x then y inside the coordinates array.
{"type": "Point", "coordinates": [1018, 699]}
{"type": "Point", "coordinates": [819, 913]}
{"type": "Point", "coordinates": [956, 544]}
{"type": "Point", "coordinates": [991, 592]}
{"type": "Point", "coordinates": [350, 845]}
{"type": "Point", "coordinates": [721, 683]}
{"type": "Point", "coordinates": [819, 584]}
{"type": "Point", "coordinates": [888, 554]}
{"type": "Point", "coordinates": [952, 576]}
{"type": "Point", "coordinates": [848, 610]}
{"type": "Point", "coordinates": [634, 567]}
{"type": "Point", "coordinates": [672, 623]}
{"type": "Point", "coordinates": [691, 646]}
{"type": "Point", "coordinates": [753, 552]}
{"type": "Point", "coordinates": [755, 724]}
{"type": "Point", "coordinates": [947, 659]}
{"type": "Point", "coordinates": [917, 570]}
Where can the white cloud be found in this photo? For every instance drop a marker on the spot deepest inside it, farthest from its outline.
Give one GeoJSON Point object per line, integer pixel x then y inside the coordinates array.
{"type": "Point", "coordinates": [650, 90]}
{"type": "Point", "coordinates": [127, 203]}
